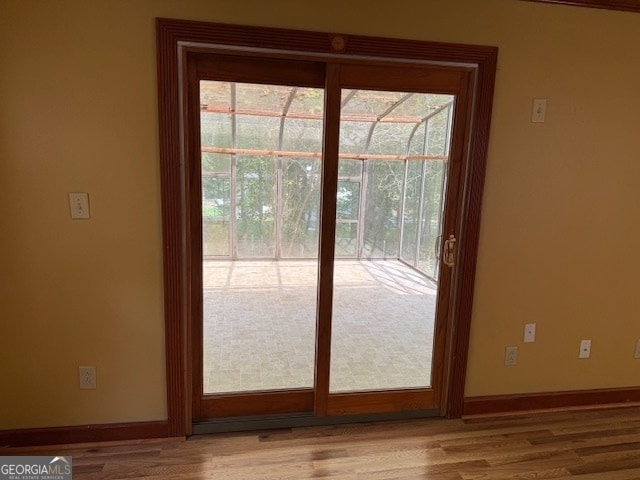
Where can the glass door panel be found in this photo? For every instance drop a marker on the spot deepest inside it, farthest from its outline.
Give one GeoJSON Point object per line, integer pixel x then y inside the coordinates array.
{"type": "Point", "coordinates": [261, 197]}
{"type": "Point", "coordinates": [384, 308]}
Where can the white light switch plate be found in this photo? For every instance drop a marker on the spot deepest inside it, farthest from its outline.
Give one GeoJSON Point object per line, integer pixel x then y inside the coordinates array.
{"type": "Point", "coordinates": [539, 110]}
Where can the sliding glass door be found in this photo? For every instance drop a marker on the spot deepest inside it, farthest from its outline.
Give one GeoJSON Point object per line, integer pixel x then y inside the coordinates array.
{"type": "Point", "coordinates": [320, 196]}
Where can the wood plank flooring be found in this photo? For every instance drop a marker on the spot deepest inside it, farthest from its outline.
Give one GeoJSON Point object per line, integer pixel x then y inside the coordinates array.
{"type": "Point", "coordinates": [594, 444]}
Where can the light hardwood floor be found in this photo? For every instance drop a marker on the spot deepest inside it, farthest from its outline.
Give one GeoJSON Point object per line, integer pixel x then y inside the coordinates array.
{"type": "Point", "coordinates": [595, 444]}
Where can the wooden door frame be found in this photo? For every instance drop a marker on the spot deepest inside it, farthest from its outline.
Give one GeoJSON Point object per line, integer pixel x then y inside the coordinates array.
{"type": "Point", "coordinates": [172, 38]}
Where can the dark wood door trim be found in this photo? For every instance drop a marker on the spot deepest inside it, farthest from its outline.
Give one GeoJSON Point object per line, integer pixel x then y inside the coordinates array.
{"type": "Point", "coordinates": [105, 432]}
{"type": "Point", "coordinates": [173, 37]}
{"type": "Point", "coordinates": [530, 402]}
{"type": "Point", "coordinates": [620, 5]}
{"type": "Point", "coordinates": [259, 403]}
{"type": "Point", "coordinates": [174, 255]}
{"type": "Point", "coordinates": [374, 402]}
{"type": "Point", "coordinates": [329, 188]}
{"type": "Point", "coordinates": [454, 207]}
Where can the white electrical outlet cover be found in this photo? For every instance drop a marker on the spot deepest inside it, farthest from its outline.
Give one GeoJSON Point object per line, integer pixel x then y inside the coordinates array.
{"type": "Point", "coordinates": [79, 205]}
{"type": "Point", "coordinates": [87, 377]}
{"type": "Point", "coordinates": [637, 354]}
{"type": "Point", "coordinates": [530, 333]}
{"type": "Point", "coordinates": [585, 349]}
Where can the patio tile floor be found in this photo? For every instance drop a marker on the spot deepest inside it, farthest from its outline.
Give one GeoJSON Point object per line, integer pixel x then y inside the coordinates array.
{"type": "Point", "coordinates": [259, 325]}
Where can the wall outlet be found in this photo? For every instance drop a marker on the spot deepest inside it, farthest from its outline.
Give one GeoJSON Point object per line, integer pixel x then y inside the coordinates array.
{"type": "Point", "coordinates": [637, 354]}
{"type": "Point", "coordinates": [530, 333]}
{"type": "Point", "coordinates": [511, 356]}
{"type": "Point", "coordinates": [87, 377]}
{"type": "Point", "coordinates": [585, 349]}
{"type": "Point", "coordinates": [79, 205]}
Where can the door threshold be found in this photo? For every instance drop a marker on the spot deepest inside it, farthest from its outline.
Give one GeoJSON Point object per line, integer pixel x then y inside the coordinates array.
{"type": "Point", "coordinates": [272, 422]}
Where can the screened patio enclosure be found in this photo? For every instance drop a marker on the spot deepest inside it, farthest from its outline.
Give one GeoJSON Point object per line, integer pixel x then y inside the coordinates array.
{"type": "Point", "coordinates": [261, 173]}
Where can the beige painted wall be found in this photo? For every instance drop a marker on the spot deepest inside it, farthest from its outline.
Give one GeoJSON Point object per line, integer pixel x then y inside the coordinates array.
{"type": "Point", "coordinates": [78, 113]}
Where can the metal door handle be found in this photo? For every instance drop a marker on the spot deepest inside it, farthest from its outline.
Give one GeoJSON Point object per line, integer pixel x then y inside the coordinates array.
{"type": "Point", "coordinates": [449, 251]}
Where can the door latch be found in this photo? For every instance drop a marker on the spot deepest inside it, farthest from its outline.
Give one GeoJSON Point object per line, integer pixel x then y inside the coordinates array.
{"type": "Point", "coordinates": [449, 251]}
